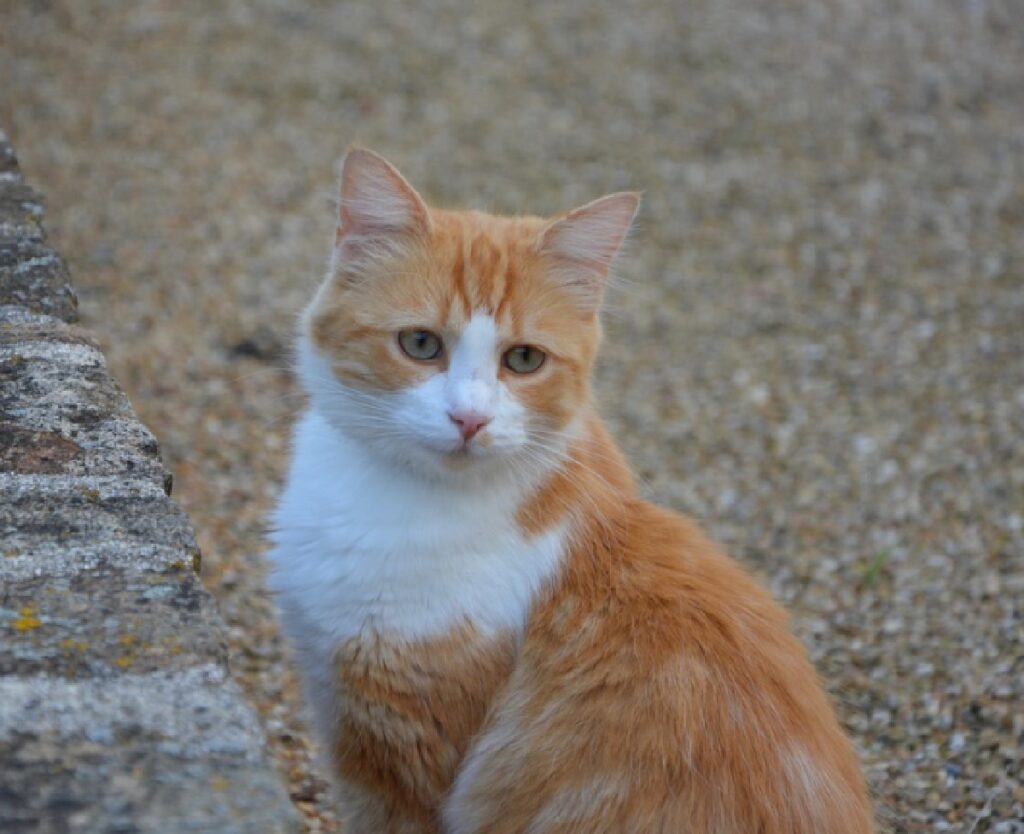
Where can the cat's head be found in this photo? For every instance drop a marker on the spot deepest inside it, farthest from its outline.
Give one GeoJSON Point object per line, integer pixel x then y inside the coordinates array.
{"type": "Point", "coordinates": [451, 341]}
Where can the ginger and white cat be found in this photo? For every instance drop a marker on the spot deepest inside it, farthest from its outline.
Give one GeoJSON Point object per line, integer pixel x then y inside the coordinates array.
{"type": "Point", "coordinates": [496, 635]}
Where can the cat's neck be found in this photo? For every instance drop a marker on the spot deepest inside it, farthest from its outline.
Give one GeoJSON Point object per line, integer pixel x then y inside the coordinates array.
{"type": "Point", "coordinates": [370, 545]}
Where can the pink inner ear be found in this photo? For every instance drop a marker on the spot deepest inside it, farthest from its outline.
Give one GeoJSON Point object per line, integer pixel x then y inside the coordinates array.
{"type": "Point", "coordinates": [584, 243]}
{"type": "Point", "coordinates": [592, 234]}
{"type": "Point", "coordinates": [376, 200]}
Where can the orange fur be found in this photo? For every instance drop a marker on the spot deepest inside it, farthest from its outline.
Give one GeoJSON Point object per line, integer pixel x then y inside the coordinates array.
{"type": "Point", "coordinates": [659, 689]}
{"type": "Point", "coordinates": [407, 715]}
{"type": "Point", "coordinates": [656, 687]}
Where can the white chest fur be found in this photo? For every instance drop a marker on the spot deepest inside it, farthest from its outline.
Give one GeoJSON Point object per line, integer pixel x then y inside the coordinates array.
{"type": "Point", "coordinates": [362, 546]}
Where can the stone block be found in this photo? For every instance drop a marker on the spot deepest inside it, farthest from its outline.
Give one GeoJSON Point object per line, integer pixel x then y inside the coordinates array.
{"type": "Point", "coordinates": [60, 411]}
{"type": "Point", "coordinates": [42, 516]}
{"type": "Point", "coordinates": [32, 275]}
{"type": "Point", "coordinates": [108, 621]}
{"type": "Point", "coordinates": [116, 710]}
{"type": "Point", "coordinates": [165, 752]}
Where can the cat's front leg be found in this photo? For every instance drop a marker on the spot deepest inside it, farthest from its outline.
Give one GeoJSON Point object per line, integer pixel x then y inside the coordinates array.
{"type": "Point", "coordinates": [370, 812]}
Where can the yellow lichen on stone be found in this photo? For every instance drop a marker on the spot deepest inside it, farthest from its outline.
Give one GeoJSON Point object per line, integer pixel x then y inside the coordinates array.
{"type": "Point", "coordinates": [27, 619]}
{"type": "Point", "coordinates": [124, 661]}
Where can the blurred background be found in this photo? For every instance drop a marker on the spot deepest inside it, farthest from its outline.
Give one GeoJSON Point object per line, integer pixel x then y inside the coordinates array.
{"type": "Point", "coordinates": [819, 349]}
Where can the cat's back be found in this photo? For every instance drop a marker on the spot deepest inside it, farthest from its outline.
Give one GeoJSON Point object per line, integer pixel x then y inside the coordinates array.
{"type": "Point", "coordinates": [658, 689]}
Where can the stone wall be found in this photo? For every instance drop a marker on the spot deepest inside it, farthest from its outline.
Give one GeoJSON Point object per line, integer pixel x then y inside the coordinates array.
{"type": "Point", "coordinates": [117, 712]}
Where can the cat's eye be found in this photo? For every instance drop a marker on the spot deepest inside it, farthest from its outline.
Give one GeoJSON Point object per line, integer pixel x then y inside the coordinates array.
{"type": "Point", "coordinates": [524, 359]}
{"type": "Point", "coordinates": [420, 344]}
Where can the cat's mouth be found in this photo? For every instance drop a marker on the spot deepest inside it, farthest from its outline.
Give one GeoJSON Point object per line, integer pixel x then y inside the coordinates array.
{"type": "Point", "coordinates": [461, 457]}
{"type": "Point", "coordinates": [472, 448]}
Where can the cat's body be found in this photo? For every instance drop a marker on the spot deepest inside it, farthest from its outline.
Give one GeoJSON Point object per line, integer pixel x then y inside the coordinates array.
{"type": "Point", "coordinates": [496, 635]}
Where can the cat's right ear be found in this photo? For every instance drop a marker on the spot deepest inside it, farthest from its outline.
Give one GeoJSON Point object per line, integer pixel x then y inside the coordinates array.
{"type": "Point", "coordinates": [377, 206]}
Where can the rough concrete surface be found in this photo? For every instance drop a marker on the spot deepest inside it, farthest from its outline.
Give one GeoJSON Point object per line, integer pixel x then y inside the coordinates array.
{"type": "Point", "coordinates": [65, 413]}
{"type": "Point", "coordinates": [817, 347]}
{"type": "Point", "coordinates": [168, 752]}
{"type": "Point", "coordinates": [116, 712]}
{"type": "Point", "coordinates": [32, 275]}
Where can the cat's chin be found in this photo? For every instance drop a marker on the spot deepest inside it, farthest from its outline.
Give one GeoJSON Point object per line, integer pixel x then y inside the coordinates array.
{"type": "Point", "coordinates": [439, 462]}
{"type": "Point", "coordinates": [473, 458]}
{"type": "Point", "coordinates": [463, 460]}
{"type": "Point", "coordinates": [473, 464]}
{"type": "Point", "coordinates": [470, 455]}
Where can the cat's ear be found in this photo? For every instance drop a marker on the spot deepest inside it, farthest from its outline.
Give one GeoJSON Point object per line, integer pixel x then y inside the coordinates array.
{"type": "Point", "coordinates": [583, 244]}
{"type": "Point", "coordinates": [377, 206]}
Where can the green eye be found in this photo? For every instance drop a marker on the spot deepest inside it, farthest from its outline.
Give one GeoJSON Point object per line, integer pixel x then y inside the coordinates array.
{"type": "Point", "coordinates": [420, 344]}
{"type": "Point", "coordinates": [524, 359]}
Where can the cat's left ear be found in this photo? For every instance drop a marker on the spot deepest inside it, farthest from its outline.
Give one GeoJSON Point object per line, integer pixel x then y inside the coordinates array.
{"type": "Point", "coordinates": [583, 244]}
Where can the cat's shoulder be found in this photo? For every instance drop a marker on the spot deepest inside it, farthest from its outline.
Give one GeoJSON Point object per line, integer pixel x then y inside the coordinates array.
{"type": "Point", "coordinates": [652, 579]}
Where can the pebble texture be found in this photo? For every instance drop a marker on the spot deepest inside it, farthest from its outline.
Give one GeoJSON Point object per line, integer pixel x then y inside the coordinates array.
{"type": "Point", "coordinates": [116, 711]}
{"type": "Point", "coordinates": [816, 348]}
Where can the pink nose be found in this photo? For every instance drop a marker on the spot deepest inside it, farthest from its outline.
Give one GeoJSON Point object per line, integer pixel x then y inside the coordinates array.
{"type": "Point", "coordinates": [469, 422]}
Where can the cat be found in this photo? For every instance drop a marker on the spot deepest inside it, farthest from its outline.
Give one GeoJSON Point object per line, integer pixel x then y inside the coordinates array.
{"type": "Point", "coordinates": [496, 635]}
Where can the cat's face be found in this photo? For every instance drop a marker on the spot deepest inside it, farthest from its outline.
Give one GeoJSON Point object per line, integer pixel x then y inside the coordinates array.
{"type": "Point", "coordinates": [450, 341]}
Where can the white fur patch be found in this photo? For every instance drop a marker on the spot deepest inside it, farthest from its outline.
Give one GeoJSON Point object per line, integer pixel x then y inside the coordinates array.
{"type": "Point", "coordinates": [472, 378]}
{"type": "Point", "coordinates": [362, 545]}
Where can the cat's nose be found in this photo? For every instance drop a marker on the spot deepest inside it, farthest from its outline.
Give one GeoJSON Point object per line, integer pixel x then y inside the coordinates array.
{"type": "Point", "coordinates": [469, 422]}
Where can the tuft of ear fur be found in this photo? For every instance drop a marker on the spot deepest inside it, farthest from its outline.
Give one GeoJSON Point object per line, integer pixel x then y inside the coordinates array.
{"type": "Point", "coordinates": [584, 243]}
{"type": "Point", "coordinates": [378, 207]}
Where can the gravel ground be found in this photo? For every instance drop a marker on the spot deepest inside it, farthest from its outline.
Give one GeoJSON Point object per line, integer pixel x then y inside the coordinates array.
{"type": "Point", "coordinates": [817, 350]}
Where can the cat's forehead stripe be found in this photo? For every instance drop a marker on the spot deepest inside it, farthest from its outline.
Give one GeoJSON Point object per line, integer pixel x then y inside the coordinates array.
{"type": "Point", "coordinates": [459, 280]}
{"type": "Point", "coordinates": [484, 277]}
